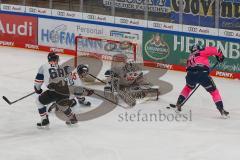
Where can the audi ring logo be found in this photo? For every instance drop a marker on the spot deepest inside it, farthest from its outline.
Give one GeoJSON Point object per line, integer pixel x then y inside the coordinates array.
{"type": "Point", "coordinates": [192, 29]}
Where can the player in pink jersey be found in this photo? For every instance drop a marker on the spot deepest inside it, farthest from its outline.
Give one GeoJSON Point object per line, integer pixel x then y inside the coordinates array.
{"type": "Point", "coordinates": [198, 69]}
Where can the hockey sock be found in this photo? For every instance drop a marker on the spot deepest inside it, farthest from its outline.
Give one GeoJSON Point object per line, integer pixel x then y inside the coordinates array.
{"type": "Point", "coordinates": [219, 105]}
{"type": "Point", "coordinates": [43, 112]}
{"type": "Point", "coordinates": [185, 92]}
{"type": "Point", "coordinates": [217, 99]}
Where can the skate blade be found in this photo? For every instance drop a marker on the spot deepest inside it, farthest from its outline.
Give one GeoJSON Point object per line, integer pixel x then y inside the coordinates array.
{"type": "Point", "coordinates": [177, 111]}
{"type": "Point", "coordinates": [224, 117]}
{"type": "Point", "coordinates": [72, 125]}
{"type": "Point", "coordinates": [44, 127]}
{"type": "Point", "coordinates": [69, 124]}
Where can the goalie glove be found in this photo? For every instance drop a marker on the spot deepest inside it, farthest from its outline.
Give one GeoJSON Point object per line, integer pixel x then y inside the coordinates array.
{"type": "Point", "coordinates": [89, 92]}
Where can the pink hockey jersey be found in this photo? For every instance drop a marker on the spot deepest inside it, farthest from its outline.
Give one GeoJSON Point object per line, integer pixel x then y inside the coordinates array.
{"type": "Point", "coordinates": [201, 57]}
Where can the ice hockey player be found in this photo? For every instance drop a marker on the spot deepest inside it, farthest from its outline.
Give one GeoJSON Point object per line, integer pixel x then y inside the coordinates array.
{"type": "Point", "coordinates": [48, 72]}
{"type": "Point", "coordinates": [52, 73]}
{"type": "Point", "coordinates": [198, 68]}
{"type": "Point", "coordinates": [64, 88]}
{"type": "Point", "coordinates": [82, 71]}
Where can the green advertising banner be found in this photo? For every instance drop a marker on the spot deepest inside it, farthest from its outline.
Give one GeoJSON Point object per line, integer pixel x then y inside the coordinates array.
{"type": "Point", "coordinates": [174, 49]}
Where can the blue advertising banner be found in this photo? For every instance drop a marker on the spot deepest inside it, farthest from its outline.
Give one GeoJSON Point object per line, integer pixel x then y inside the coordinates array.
{"type": "Point", "coordinates": [195, 12]}
{"type": "Point", "coordinates": [202, 13]}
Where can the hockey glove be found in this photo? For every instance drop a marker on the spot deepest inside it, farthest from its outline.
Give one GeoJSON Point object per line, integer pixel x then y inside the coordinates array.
{"type": "Point", "coordinates": [220, 58]}
{"type": "Point", "coordinates": [38, 91]}
{"type": "Point", "coordinates": [89, 92]}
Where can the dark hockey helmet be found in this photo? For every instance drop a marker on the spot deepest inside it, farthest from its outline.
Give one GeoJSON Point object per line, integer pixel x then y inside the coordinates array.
{"type": "Point", "coordinates": [82, 70]}
{"type": "Point", "coordinates": [196, 47]}
{"type": "Point", "coordinates": [108, 73]}
{"type": "Point", "coordinates": [52, 56]}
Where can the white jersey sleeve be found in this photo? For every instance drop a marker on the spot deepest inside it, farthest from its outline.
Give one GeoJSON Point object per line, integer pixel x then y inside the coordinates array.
{"type": "Point", "coordinates": [39, 79]}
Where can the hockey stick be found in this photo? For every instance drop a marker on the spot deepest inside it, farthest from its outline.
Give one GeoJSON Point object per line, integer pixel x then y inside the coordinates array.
{"type": "Point", "coordinates": [125, 107]}
{"type": "Point", "coordinates": [97, 78]}
{"type": "Point", "coordinates": [120, 92]}
{"type": "Point", "coordinates": [10, 103]}
{"type": "Point", "coordinates": [174, 106]}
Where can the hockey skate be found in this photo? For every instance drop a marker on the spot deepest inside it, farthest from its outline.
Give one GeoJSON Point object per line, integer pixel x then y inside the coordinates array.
{"type": "Point", "coordinates": [44, 124]}
{"type": "Point", "coordinates": [73, 120]}
{"type": "Point", "coordinates": [224, 114]}
{"type": "Point", "coordinates": [177, 107]}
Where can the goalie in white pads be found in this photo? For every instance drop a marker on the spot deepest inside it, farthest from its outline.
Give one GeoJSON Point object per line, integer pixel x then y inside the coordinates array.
{"type": "Point", "coordinates": [128, 81]}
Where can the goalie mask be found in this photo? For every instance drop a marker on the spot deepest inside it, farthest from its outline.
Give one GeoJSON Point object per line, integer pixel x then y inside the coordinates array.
{"type": "Point", "coordinates": [82, 70]}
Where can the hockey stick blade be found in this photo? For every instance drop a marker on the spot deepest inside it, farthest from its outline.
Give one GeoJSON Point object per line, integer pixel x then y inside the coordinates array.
{"type": "Point", "coordinates": [5, 99]}
{"type": "Point", "coordinates": [10, 103]}
{"type": "Point", "coordinates": [171, 106]}
{"type": "Point", "coordinates": [125, 107]}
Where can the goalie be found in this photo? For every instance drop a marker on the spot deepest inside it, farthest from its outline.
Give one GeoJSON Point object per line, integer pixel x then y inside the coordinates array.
{"type": "Point", "coordinates": [128, 81]}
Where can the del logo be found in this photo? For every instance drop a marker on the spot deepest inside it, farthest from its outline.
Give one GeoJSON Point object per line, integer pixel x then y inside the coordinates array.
{"type": "Point", "coordinates": [156, 48]}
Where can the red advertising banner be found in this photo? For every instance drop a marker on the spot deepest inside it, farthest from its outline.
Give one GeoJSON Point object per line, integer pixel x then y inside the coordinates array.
{"type": "Point", "coordinates": [18, 31]}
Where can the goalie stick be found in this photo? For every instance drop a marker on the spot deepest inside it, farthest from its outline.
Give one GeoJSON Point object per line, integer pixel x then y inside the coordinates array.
{"type": "Point", "coordinates": [174, 106]}
{"type": "Point", "coordinates": [125, 107]}
{"type": "Point", "coordinates": [10, 103]}
{"type": "Point", "coordinates": [125, 96]}
{"type": "Point", "coordinates": [97, 78]}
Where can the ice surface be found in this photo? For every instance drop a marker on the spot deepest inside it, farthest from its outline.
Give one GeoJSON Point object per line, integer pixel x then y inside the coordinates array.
{"type": "Point", "coordinates": [206, 137]}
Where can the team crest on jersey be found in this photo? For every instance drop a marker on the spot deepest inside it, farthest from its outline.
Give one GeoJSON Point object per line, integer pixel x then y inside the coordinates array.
{"type": "Point", "coordinates": [156, 48]}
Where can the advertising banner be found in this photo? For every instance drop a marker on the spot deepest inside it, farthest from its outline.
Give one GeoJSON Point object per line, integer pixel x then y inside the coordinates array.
{"type": "Point", "coordinates": [128, 8]}
{"type": "Point", "coordinates": [157, 6]}
{"type": "Point", "coordinates": [16, 30]}
{"type": "Point", "coordinates": [195, 12]}
{"type": "Point", "coordinates": [230, 14]}
{"type": "Point", "coordinates": [202, 13]}
{"type": "Point", "coordinates": [174, 50]}
{"type": "Point", "coordinates": [61, 34]}
{"type": "Point", "coordinates": [12, 8]}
